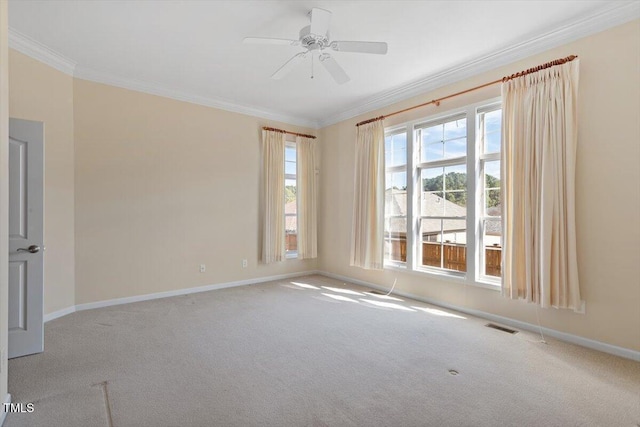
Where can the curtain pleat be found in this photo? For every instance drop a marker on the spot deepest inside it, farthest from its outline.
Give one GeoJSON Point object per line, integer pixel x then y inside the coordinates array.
{"type": "Point", "coordinates": [367, 237]}
{"type": "Point", "coordinates": [273, 247]}
{"type": "Point", "coordinates": [539, 129]}
{"type": "Point", "coordinates": [307, 198]}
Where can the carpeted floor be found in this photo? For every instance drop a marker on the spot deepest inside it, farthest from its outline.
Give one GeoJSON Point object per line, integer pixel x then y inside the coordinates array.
{"type": "Point", "coordinates": [315, 352]}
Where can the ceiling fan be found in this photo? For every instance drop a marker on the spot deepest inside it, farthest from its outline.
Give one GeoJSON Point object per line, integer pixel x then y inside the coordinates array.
{"type": "Point", "coordinates": [315, 39]}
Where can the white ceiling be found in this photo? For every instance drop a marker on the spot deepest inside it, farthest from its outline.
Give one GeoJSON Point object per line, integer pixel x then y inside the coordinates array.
{"type": "Point", "coordinates": [193, 50]}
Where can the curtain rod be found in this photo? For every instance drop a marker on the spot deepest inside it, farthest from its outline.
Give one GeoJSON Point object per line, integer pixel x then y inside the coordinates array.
{"type": "Point", "coordinates": [290, 133]}
{"type": "Point", "coordinates": [502, 80]}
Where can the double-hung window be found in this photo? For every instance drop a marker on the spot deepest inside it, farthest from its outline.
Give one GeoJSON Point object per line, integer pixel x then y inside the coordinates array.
{"type": "Point", "coordinates": [442, 194]}
{"type": "Point", "coordinates": [290, 199]}
{"type": "Point", "coordinates": [442, 173]}
{"type": "Point", "coordinates": [395, 213]}
{"type": "Point", "coordinates": [489, 129]}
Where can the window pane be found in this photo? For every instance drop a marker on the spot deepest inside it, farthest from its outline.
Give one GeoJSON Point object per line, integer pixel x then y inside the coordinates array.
{"type": "Point", "coordinates": [455, 129]}
{"type": "Point", "coordinates": [431, 152]}
{"type": "Point", "coordinates": [432, 143]}
{"type": "Point", "coordinates": [396, 181]}
{"type": "Point", "coordinates": [290, 154]}
{"type": "Point", "coordinates": [493, 121]}
{"type": "Point", "coordinates": [444, 191]}
{"type": "Point", "coordinates": [432, 134]}
{"type": "Point", "coordinates": [432, 179]}
{"type": "Point", "coordinates": [291, 232]}
{"type": "Point", "coordinates": [492, 142]}
{"type": "Point", "coordinates": [395, 195]}
{"type": "Point", "coordinates": [492, 188]}
{"type": "Point", "coordinates": [455, 148]}
{"type": "Point", "coordinates": [395, 239]}
{"type": "Point", "coordinates": [395, 150]}
{"type": "Point", "coordinates": [455, 186]}
{"type": "Point", "coordinates": [492, 131]}
{"type": "Point", "coordinates": [290, 191]}
{"type": "Point", "coordinates": [432, 197]}
{"type": "Point", "coordinates": [492, 242]}
{"type": "Point", "coordinates": [444, 141]}
{"type": "Point", "coordinates": [290, 168]}
{"type": "Point", "coordinates": [444, 243]}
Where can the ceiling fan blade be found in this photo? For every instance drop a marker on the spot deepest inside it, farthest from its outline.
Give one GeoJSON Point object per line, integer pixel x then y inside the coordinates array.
{"type": "Point", "coordinates": [320, 19]}
{"type": "Point", "coordinates": [334, 69]}
{"type": "Point", "coordinates": [289, 65]}
{"type": "Point", "coordinates": [379, 48]}
{"type": "Point", "coordinates": [267, 40]}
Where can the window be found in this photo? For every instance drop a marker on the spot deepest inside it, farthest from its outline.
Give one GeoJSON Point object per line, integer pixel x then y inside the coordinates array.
{"type": "Point", "coordinates": [442, 171]}
{"type": "Point", "coordinates": [442, 194]}
{"type": "Point", "coordinates": [290, 200]}
{"type": "Point", "coordinates": [490, 128]}
{"type": "Point", "coordinates": [395, 208]}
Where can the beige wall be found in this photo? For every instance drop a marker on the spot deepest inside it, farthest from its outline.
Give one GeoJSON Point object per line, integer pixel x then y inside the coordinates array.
{"type": "Point", "coordinates": [4, 195]}
{"type": "Point", "coordinates": [608, 198]}
{"type": "Point", "coordinates": [163, 186]}
{"type": "Point", "coordinates": [39, 92]}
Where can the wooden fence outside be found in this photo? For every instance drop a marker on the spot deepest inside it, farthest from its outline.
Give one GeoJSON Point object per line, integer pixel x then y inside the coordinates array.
{"type": "Point", "coordinates": [455, 256]}
{"type": "Point", "coordinates": [291, 242]}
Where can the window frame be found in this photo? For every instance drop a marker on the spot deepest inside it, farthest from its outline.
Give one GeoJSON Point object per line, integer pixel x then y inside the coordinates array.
{"type": "Point", "coordinates": [440, 163]}
{"type": "Point", "coordinates": [483, 158]}
{"type": "Point", "coordinates": [390, 132]}
{"type": "Point", "coordinates": [472, 161]}
{"type": "Point", "coordinates": [290, 143]}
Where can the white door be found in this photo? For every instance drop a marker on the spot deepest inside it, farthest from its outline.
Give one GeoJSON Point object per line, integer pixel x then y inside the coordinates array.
{"type": "Point", "coordinates": [26, 229]}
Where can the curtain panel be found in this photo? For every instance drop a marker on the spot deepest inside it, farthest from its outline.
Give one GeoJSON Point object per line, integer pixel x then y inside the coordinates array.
{"type": "Point", "coordinates": [539, 129]}
{"type": "Point", "coordinates": [273, 245]}
{"type": "Point", "coordinates": [367, 236]}
{"type": "Point", "coordinates": [307, 198]}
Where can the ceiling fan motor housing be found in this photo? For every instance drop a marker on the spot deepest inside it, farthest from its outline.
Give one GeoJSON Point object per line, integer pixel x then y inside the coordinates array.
{"type": "Point", "coordinates": [313, 41]}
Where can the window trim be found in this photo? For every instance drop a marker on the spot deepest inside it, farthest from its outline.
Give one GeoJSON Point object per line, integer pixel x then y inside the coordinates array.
{"type": "Point", "coordinates": [472, 276]}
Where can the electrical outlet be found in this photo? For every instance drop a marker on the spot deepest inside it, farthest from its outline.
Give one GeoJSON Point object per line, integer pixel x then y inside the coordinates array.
{"type": "Point", "coordinates": [244, 263]}
{"type": "Point", "coordinates": [203, 268]}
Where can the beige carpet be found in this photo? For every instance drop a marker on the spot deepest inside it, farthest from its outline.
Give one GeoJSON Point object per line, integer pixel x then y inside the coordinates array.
{"type": "Point", "coordinates": [311, 351]}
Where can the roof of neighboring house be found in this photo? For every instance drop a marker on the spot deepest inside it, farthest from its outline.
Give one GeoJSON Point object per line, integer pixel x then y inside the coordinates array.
{"type": "Point", "coordinates": [432, 205]}
{"type": "Point", "coordinates": [291, 222]}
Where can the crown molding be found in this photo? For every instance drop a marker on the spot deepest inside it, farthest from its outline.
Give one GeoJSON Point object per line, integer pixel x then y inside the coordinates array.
{"type": "Point", "coordinates": [40, 52]}
{"type": "Point", "coordinates": [605, 18]}
{"type": "Point", "coordinates": [159, 90]}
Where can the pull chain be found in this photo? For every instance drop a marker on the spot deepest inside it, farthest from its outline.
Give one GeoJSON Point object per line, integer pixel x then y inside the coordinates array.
{"type": "Point", "coordinates": [312, 55]}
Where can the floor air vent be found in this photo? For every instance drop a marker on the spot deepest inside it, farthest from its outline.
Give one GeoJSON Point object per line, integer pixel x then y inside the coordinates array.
{"type": "Point", "coordinates": [501, 328]}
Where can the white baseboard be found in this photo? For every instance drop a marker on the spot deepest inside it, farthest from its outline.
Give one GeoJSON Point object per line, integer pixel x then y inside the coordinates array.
{"type": "Point", "coordinates": [3, 413]}
{"type": "Point", "coordinates": [147, 297]}
{"type": "Point", "coordinates": [563, 336]}
{"type": "Point", "coordinates": [59, 313]}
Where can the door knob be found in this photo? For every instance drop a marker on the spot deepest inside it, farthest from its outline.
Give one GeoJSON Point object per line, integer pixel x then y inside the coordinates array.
{"type": "Point", "coordinates": [32, 249]}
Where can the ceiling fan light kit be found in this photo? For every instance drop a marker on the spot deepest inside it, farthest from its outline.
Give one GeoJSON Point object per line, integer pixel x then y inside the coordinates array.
{"type": "Point", "coordinates": [315, 39]}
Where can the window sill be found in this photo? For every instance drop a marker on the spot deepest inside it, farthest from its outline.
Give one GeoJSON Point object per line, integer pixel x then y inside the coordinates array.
{"type": "Point", "coordinates": [459, 279]}
{"type": "Point", "coordinates": [291, 255]}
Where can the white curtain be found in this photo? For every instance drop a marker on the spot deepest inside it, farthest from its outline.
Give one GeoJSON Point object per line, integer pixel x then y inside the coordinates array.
{"type": "Point", "coordinates": [539, 129]}
{"type": "Point", "coordinates": [367, 236]}
{"type": "Point", "coordinates": [307, 198]}
{"type": "Point", "coordinates": [273, 196]}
